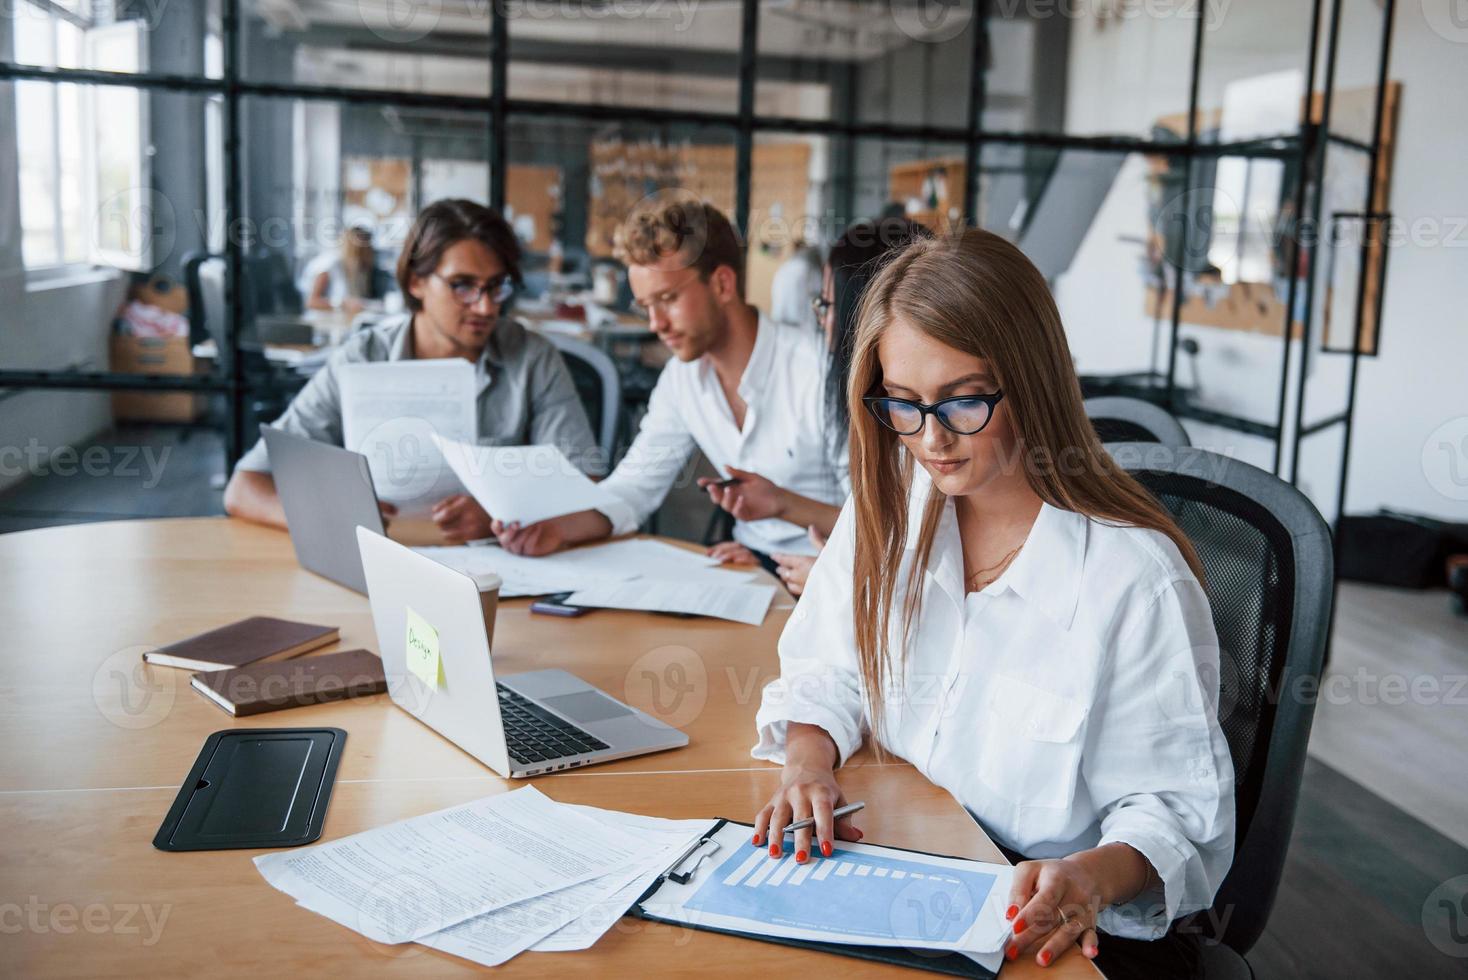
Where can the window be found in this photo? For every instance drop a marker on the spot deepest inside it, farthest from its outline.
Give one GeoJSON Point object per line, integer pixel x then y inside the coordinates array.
{"type": "Point", "coordinates": [1092, 138]}
{"type": "Point", "coordinates": [84, 188]}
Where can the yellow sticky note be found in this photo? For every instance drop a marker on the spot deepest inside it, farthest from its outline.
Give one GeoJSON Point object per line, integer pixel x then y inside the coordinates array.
{"type": "Point", "coordinates": [423, 651]}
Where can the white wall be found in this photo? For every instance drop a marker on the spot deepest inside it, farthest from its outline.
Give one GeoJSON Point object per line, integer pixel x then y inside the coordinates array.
{"type": "Point", "coordinates": [54, 328]}
{"type": "Point", "coordinates": [1419, 381]}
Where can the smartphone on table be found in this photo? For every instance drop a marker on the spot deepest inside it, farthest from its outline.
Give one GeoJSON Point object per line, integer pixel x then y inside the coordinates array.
{"type": "Point", "coordinates": [555, 605]}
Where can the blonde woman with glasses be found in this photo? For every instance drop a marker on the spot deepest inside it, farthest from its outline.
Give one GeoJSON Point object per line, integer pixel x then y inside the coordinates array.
{"type": "Point", "coordinates": [1003, 607]}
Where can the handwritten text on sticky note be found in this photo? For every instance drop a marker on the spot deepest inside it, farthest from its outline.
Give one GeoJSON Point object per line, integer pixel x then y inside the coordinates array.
{"type": "Point", "coordinates": [423, 651]}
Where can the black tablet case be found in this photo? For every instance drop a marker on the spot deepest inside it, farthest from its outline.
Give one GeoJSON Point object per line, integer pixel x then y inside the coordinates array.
{"type": "Point", "coordinates": [933, 961]}
{"type": "Point", "coordinates": [254, 787]}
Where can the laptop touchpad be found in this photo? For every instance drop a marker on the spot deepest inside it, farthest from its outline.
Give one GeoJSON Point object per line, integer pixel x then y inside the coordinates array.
{"type": "Point", "coordinates": [586, 706]}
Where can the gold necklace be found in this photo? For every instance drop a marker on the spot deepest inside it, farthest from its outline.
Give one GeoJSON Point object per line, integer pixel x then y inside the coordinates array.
{"type": "Point", "coordinates": [1001, 565]}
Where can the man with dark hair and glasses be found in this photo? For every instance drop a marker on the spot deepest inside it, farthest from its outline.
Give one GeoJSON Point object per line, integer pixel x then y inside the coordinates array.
{"type": "Point", "coordinates": [458, 267]}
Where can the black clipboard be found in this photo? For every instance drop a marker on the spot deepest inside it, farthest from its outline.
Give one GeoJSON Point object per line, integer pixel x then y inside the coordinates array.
{"type": "Point", "coordinates": [934, 961]}
{"type": "Point", "coordinates": [254, 787]}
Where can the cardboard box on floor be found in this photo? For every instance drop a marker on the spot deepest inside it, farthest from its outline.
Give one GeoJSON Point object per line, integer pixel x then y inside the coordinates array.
{"type": "Point", "coordinates": [155, 355]}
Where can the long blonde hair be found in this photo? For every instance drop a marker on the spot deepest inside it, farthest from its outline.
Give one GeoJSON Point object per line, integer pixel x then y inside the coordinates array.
{"type": "Point", "coordinates": [976, 293]}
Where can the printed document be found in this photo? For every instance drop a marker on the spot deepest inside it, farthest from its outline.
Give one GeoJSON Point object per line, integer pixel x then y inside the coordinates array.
{"type": "Point", "coordinates": [863, 894]}
{"type": "Point", "coordinates": [392, 411]}
{"type": "Point", "coordinates": [420, 876]}
{"type": "Point", "coordinates": [744, 603]}
{"type": "Point", "coordinates": [522, 484]}
{"type": "Point", "coordinates": [574, 917]}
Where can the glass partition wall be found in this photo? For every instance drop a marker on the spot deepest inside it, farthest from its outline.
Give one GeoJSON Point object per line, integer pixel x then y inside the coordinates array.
{"type": "Point", "coordinates": [1200, 183]}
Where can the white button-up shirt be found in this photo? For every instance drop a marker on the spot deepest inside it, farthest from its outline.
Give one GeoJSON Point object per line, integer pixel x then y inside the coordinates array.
{"type": "Point", "coordinates": [1069, 704]}
{"type": "Point", "coordinates": [784, 437]}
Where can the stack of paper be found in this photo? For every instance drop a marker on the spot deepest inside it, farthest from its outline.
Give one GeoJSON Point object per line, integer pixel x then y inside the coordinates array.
{"type": "Point", "coordinates": [646, 575]}
{"type": "Point", "coordinates": [486, 880]}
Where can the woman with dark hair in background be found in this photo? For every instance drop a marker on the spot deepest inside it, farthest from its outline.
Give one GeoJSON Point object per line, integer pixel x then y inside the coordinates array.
{"type": "Point", "coordinates": [854, 259]}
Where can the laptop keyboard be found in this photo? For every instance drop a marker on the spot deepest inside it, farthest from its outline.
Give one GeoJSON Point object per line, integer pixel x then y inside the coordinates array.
{"type": "Point", "coordinates": [533, 734]}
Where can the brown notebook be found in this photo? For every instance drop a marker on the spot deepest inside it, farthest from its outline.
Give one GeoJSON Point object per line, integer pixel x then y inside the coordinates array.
{"type": "Point", "coordinates": [271, 686]}
{"type": "Point", "coordinates": [246, 642]}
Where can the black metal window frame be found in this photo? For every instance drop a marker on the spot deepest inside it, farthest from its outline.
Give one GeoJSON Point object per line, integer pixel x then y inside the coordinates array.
{"type": "Point", "coordinates": [1305, 149]}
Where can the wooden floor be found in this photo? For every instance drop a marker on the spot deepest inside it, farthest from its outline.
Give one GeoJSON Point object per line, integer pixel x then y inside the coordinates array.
{"type": "Point", "coordinates": [1376, 881]}
{"type": "Point", "coordinates": [1366, 891]}
{"type": "Point", "coordinates": [1393, 714]}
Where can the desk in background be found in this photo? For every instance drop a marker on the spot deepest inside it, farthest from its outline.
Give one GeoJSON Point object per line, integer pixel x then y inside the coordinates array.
{"type": "Point", "coordinates": [97, 744]}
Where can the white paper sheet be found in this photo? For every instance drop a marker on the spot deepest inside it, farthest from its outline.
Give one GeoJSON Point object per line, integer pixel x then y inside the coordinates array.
{"type": "Point", "coordinates": [495, 937]}
{"type": "Point", "coordinates": [660, 560]}
{"type": "Point", "coordinates": [574, 917]}
{"type": "Point", "coordinates": [596, 918]}
{"type": "Point", "coordinates": [583, 568]}
{"type": "Point", "coordinates": [522, 484]}
{"type": "Point", "coordinates": [420, 876]}
{"type": "Point", "coordinates": [392, 411]}
{"type": "Point", "coordinates": [989, 961]}
{"type": "Point", "coordinates": [523, 576]}
{"type": "Point", "coordinates": [740, 603]}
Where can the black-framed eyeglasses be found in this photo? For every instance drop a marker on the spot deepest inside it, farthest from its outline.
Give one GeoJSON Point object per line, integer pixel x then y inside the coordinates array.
{"type": "Point", "coordinates": [962, 415]}
{"type": "Point", "coordinates": [821, 306]}
{"type": "Point", "coordinates": [468, 292]}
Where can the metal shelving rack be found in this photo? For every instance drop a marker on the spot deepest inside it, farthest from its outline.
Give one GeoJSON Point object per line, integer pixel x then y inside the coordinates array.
{"type": "Point", "coordinates": [1306, 149]}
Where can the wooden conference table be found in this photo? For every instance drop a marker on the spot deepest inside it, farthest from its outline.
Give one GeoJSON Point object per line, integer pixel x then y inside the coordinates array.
{"type": "Point", "coordinates": [96, 744]}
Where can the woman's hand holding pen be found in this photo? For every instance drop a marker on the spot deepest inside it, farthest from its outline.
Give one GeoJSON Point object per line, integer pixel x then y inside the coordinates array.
{"type": "Point", "coordinates": [808, 789]}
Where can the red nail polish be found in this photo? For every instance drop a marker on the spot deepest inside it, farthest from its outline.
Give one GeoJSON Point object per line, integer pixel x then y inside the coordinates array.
{"type": "Point", "coordinates": [800, 857]}
{"type": "Point", "coordinates": [774, 850]}
{"type": "Point", "coordinates": [1091, 951]}
{"type": "Point", "coordinates": [1045, 957]}
{"type": "Point", "coordinates": [756, 840]}
{"type": "Point", "coordinates": [1019, 925]}
{"type": "Point", "coordinates": [825, 848]}
{"type": "Point", "coordinates": [1011, 952]}
{"type": "Point", "coordinates": [1013, 909]}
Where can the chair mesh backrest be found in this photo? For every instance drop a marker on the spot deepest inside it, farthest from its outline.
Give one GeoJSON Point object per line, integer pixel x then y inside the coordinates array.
{"type": "Point", "coordinates": [588, 387]}
{"type": "Point", "coordinates": [1249, 574]}
{"type": "Point", "coordinates": [1122, 430]}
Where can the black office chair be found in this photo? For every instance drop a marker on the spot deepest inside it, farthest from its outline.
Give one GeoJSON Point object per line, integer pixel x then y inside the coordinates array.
{"type": "Point", "coordinates": [599, 386]}
{"type": "Point", "coordinates": [204, 277]}
{"type": "Point", "coordinates": [1118, 419]}
{"type": "Point", "coordinates": [1268, 565]}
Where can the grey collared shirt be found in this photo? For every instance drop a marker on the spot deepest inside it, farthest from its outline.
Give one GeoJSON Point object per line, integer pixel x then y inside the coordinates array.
{"type": "Point", "coordinates": [525, 393]}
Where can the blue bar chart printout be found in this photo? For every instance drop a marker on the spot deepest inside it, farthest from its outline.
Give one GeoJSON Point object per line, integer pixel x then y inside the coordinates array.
{"type": "Point", "coordinates": [850, 894]}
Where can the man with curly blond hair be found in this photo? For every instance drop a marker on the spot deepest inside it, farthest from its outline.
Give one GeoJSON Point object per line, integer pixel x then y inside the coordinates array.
{"type": "Point", "coordinates": [743, 389]}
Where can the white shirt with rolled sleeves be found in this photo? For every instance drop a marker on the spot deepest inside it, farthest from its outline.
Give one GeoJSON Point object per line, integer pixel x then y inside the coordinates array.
{"type": "Point", "coordinates": [1070, 703]}
{"type": "Point", "coordinates": [783, 438]}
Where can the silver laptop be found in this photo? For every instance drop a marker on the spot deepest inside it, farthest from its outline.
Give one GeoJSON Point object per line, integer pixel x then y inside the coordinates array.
{"type": "Point", "coordinates": [520, 725]}
{"type": "Point", "coordinates": [327, 494]}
